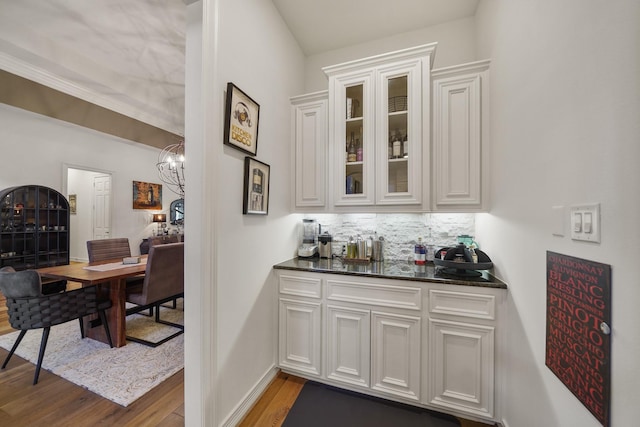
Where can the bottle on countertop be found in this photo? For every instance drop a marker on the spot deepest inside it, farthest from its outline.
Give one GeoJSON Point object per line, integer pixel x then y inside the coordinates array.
{"type": "Point", "coordinates": [370, 247]}
{"type": "Point", "coordinates": [351, 248]}
{"type": "Point", "coordinates": [420, 253]}
{"type": "Point", "coordinates": [362, 247]}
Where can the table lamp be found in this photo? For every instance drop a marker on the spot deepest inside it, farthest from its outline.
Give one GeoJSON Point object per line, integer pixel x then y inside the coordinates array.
{"type": "Point", "coordinates": [159, 219]}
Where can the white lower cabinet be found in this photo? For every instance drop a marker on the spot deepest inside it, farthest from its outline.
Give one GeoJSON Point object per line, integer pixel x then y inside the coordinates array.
{"type": "Point", "coordinates": [395, 355]}
{"type": "Point", "coordinates": [348, 345]}
{"type": "Point", "coordinates": [300, 339]}
{"type": "Point", "coordinates": [461, 372]}
{"type": "Point", "coordinates": [427, 344]}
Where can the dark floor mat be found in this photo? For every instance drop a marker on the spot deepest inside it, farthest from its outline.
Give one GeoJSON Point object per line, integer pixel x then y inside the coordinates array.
{"type": "Point", "coordinates": [319, 405]}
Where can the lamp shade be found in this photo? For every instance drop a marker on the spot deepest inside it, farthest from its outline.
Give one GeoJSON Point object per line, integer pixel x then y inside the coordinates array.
{"type": "Point", "coordinates": [159, 218]}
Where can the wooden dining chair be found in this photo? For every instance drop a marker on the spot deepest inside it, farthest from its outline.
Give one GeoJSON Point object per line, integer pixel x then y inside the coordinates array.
{"type": "Point", "coordinates": [163, 282]}
{"type": "Point", "coordinates": [114, 248]}
{"type": "Point", "coordinates": [29, 308]}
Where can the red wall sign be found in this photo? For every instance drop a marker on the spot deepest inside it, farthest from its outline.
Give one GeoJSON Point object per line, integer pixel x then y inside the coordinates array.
{"type": "Point", "coordinates": [578, 334]}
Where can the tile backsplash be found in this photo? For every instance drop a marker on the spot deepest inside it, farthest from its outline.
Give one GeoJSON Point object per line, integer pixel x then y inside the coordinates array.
{"type": "Point", "coordinates": [400, 231]}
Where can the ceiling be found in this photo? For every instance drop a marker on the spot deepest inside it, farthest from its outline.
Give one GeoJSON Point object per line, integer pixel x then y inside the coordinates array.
{"type": "Point", "coordinates": [323, 25]}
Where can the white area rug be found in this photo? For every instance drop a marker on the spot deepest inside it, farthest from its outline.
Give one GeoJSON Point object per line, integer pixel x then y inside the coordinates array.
{"type": "Point", "coordinates": [121, 375]}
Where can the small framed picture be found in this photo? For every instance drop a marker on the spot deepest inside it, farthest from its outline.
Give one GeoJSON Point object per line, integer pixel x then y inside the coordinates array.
{"type": "Point", "coordinates": [147, 195]}
{"type": "Point", "coordinates": [256, 187]}
{"type": "Point", "coordinates": [241, 121]}
{"type": "Point", "coordinates": [73, 204]}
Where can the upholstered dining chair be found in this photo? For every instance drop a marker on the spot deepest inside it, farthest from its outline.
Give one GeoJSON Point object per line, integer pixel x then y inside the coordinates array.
{"type": "Point", "coordinates": [163, 240]}
{"type": "Point", "coordinates": [29, 309]}
{"type": "Point", "coordinates": [163, 282]}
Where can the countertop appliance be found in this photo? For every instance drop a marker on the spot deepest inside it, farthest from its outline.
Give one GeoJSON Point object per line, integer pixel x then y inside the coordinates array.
{"type": "Point", "coordinates": [310, 231]}
{"type": "Point", "coordinates": [325, 245]}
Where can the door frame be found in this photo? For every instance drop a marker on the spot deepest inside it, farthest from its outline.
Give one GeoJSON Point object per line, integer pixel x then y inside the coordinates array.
{"type": "Point", "coordinates": [65, 186]}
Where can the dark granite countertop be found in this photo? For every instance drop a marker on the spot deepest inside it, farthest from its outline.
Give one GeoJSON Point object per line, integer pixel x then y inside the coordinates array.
{"type": "Point", "coordinates": [400, 270]}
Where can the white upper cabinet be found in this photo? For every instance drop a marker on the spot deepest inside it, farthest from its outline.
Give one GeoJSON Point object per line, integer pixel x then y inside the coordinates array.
{"type": "Point", "coordinates": [379, 128]}
{"type": "Point", "coordinates": [460, 137]}
{"type": "Point", "coordinates": [309, 121]}
{"type": "Point", "coordinates": [393, 135]}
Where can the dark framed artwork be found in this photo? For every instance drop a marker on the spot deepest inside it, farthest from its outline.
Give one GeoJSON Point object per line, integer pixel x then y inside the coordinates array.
{"type": "Point", "coordinates": [241, 121]}
{"type": "Point", "coordinates": [256, 187]}
{"type": "Point", "coordinates": [147, 195]}
{"type": "Point", "coordinates": [578, 349]}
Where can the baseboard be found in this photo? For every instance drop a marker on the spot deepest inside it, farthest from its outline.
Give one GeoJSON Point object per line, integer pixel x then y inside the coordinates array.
{"type": "Point", "coordinates": [250, 398]}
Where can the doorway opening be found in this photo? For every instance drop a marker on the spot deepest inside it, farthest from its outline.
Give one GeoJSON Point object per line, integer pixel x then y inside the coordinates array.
{"type": "Point", "coordinates": [93, 212]}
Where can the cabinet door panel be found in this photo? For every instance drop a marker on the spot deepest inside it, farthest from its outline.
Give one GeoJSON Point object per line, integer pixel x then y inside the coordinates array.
{"type": "Point", "coordinates": [310, 145]}
{"type": "Point", "coordinates": [300, 336]}
{"type": "Point", "coordinates": [395, 355]}
{"type": "Point", "coordinates": [348, 355]}
{"type": "Point", "coordinates": [461, 366]}
{"type": "Point", "coordinates": [460, 136]}
{"type": "Point", "coordinates": [351, 109]}
{"type": "Point", "coordinates": [400, 117]}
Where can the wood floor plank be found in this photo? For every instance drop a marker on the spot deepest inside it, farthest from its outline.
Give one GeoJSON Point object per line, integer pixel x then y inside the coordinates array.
{"type": "Point", "coordinates": [264, 401]}
{"type": "Point", "coordinates": [277, 410]}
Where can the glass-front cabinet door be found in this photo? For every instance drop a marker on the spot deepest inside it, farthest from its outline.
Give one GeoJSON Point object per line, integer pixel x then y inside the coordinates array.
{"type": "Point", "coordinates": [379, 127]}
{"type": "Point", "coordinates": [399, 134]}
{"type": "Point", "coordinates": [354, 147]}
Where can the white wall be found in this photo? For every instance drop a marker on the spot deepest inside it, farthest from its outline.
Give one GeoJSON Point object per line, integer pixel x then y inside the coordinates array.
{"type": "Point", "coordinates": [565, 103]}
{"type": "Point", "coordinates": [258, 54]}
{"type": "Point", "coordinates": [456, 45]}
{"type": "Point", "coordinates": [35, 148]}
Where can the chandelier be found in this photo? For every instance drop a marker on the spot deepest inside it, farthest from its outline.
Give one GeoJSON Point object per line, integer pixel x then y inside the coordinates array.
{"type": "Point", "coordinates": [171, 167]}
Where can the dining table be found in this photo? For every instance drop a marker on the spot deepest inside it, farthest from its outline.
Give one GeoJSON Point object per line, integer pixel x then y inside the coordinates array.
{"type": "Point", "coordinates": [110, 277]}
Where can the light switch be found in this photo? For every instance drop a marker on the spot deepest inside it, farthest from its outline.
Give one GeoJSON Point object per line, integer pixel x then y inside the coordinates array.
{"type": "Point", "coordinates": [585, 222]}
{"type": "Point", "coordinates": [577, 222]}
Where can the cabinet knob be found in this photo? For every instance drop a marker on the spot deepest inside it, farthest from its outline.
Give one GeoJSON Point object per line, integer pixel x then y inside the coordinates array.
{"type": "Point", "coordinates": [605, 328]}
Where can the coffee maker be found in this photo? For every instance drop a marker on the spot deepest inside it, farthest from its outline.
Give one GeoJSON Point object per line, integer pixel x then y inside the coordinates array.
{"type": "Point", "coordinates": [325, 245]}
{"type": "Point", "coordinates": [310, 231]}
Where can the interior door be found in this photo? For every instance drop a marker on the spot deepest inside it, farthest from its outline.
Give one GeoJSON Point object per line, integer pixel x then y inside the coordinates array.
{"type": "Point", "coordinates": [101, 207]}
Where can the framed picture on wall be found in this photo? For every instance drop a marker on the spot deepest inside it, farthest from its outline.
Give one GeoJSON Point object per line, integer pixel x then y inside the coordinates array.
{"type": "Point", "coordinates": [241, 121]}
{"type": "Point", "coordinates": [256, 187]}
{"type": "Point", "coordinates": [72, 204]}
{"type": "Point", "coordinates": [147, 195]}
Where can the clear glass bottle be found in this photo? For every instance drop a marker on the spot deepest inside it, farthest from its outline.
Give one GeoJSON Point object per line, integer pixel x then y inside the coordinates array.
{"type": "Point", "coordinates": [351, 248]}
{"type": "Point", "coordinates": [351, 152]}
{"type": "Point", "coordinates": [397, 145]}
{"type": "Point", "coordinates": [392, 137]}
{"type": "Point", "coordinates": [405, 146]}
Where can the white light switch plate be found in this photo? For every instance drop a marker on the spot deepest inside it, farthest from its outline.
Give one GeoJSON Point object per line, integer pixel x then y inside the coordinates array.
{"type": "Point", "coordinates": [585, 222]}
